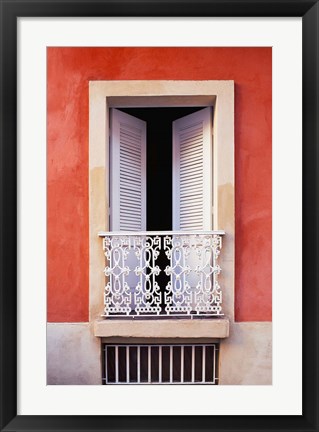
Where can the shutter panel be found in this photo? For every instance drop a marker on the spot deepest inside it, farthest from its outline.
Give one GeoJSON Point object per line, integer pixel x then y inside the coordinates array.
{"type": "Point", "coordinates": [192, 173]}
{"type": "Point", "coordinates": [128, 172]}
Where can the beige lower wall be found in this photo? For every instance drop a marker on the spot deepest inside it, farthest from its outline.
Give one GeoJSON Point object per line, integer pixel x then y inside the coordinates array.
{"type": "Point", "coordinates": [73, 354]}
{"type": "Point", "coordinates": [246, 356]}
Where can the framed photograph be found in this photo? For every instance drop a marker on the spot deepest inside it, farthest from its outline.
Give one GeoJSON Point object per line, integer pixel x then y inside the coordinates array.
{"type": "Point", "coordinates": [159, 215]}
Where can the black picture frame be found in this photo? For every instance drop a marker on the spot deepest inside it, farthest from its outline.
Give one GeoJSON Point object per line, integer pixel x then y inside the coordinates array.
{"type": "Point", "coordinates": [10, 11]}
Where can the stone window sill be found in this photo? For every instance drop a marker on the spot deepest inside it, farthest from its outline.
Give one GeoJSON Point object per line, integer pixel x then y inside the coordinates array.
{"type": "Point", "coordinates": [160, 328]}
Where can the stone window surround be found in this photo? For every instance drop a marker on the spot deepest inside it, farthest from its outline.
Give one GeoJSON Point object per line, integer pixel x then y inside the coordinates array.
{"type": "Point", "coordinates": [108, 94]}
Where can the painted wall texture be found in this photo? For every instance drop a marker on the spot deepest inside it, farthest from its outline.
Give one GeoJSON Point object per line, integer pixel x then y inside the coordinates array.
{"type": "Point", "coordinates": [69, 71]}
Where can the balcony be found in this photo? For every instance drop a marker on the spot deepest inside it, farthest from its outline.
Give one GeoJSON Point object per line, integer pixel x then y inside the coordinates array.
{"type": "Point", "coordinates": [162, 274]}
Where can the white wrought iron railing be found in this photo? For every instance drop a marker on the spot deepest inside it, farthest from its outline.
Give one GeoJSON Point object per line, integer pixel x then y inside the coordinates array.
{"type": "Point", "coordinates": [162, 273]}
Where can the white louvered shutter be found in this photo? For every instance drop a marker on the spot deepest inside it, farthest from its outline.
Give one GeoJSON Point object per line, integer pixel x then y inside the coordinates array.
{"type": "Point", "coordinates": [128, 172]}
{"type": "Point", "coordinates": [192, 171]}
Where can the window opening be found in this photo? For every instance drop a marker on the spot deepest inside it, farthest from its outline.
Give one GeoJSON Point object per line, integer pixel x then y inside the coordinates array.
{"type": "Point", "coordinates": [159, 162]}
{"type": "Point", "coordinates": [161, 180]}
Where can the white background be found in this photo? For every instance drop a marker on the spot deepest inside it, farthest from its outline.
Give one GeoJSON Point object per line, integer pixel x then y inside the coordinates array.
{"type": "Point", "coordinates": [284, 396]}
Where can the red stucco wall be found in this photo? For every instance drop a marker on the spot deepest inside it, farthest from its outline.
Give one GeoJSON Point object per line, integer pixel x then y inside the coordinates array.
{"type": "Point", "coordinates": [69, 71]}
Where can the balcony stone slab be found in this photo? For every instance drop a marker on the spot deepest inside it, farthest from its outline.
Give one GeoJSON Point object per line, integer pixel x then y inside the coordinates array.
{"type": "Point", "coordinates": [162, 328]}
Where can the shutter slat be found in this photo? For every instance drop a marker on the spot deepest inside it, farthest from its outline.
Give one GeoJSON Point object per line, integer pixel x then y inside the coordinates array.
{"type": "Point", "coordinates": [198, 160]}
{"type": "Point", "coordinates": [125, 134]}
{"type": "Point", "coordinates": [133, 159]}
{"type": "Point", "coordinates": [191, 140]}
{"type": "Point", "coordinates": [191, 128]}
{"type": "Point", "coordinates": [126, 149]}
{"type": "Point", "coordinates": [192, 151]}
{"type": "Point", "coordinates": [188, 181]}
{"type": "Point", "coordinates": [195, 167]}
{"type": "Point", "coordinates": [130, 175]}
{"type": "Point", "coordinates": [129, 184]}
{"type": "Point", "coordinates": [135, 195]}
